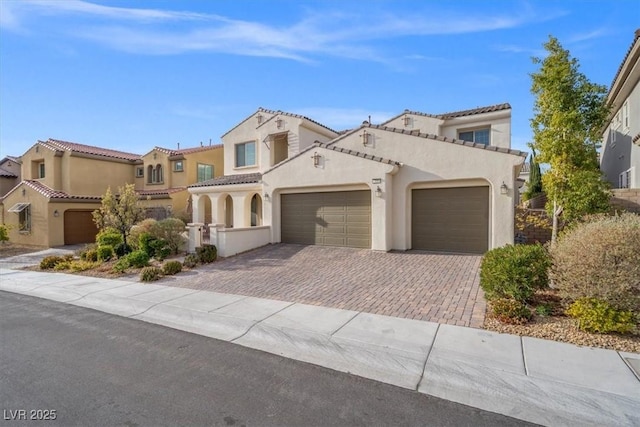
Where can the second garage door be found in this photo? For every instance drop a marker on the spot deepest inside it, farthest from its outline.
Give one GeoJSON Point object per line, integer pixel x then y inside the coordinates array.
{"type": "Point", "coordinates": [79, 227]}
{"type": "Point", "coordinates": [450, 219]}
{"type": "Point", "coordinates": [340, 218]}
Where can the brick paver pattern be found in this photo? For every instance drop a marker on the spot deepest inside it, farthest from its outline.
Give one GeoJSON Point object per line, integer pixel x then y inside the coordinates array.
{"type": "Point", "coordinates": [441, 288]}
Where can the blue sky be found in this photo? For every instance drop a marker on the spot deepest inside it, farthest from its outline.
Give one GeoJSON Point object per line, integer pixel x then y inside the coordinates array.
{"type": "Point", "coordinates": [130, 75]}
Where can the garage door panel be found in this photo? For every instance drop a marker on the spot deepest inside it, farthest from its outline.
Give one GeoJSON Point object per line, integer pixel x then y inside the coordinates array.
{"type": "Point", "coordinates": [329, 219]}
{"type": "Point", "coordinates": [451, 219]}
{"type": "Point", "coordinates": [79, 227]}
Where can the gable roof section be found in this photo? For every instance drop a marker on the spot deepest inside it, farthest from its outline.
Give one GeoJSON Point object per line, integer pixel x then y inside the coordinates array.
{"type": "Point", "coordinates": [455, 114]}
{"type": "Point", "coordinates": [74, 147]}
{"type": "Point", "coordinates": [50, 193]}
{"type": "Point", "coordinates": [247, 178]}
{"type": "Point", "coordinates": [7, 174]}
{"type": "Point", "coordinates": [11, 159]}
{"type": "Point", "coordinates": [434, 137]}
{"type": "Point", "coordinates": [184, 151]}
{"type": "Point", "coordinates": [275, 113]}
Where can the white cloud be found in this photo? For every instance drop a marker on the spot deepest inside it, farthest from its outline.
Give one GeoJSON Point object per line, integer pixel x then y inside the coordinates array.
{"type": "Point", "coordinates": [581, 37]}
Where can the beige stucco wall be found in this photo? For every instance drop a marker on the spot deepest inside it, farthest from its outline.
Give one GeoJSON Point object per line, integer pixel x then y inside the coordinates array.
{"type": "Point", "coordinates": [56, 224]}
{"type": "Point", "coordinates": [423, 124]}
{"type": "Point", "coordinates": [213, 157]}
{"type": "Point", "coordinates": [154, 158]}
{"type": "Point", "coordinates": [91, 177]}
{"type": "Point", "coordinates": [39, 234]}
{"type": "Point", "coordinates": [52, 163]}
{"type": "Point", "coordinates": [6, 184]}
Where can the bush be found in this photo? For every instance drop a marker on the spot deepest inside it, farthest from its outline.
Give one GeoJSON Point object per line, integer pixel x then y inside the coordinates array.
{"type": "Point", "coordinates": [121, 265]}
{"type": "Point", "coordinates": [514, 272]}
{"type": "Point", "coordinates": [160, 249]}
{"type": "Point", "coordinates": [90, 255]}
{"type": "Point", "coordinates": [150, 274]}
{"type": "Point", "coordinates": [510, 311]}
{"type": "Point", "coordinates": [50, 262]}
{"type": "Point", "coordinates": [138, 259]}
{"type": "Point", "coordinates": [109, 237]}
{"type": "Point", "coordinates": [105, 253]}
{"type": "Point", "coordinates": [600, 258]}
{"type": "Point", "coordinates": [143, 226]}
{"type": "Point", "coordinates": [80, 265]}
{"type": "Point", "coordinates": [599, 316]}
{"type": "Point", "coordinates": [62, 266]}
{"type": "Point", "coordinates": [121, 249]}
{"type": "Point", "coordinates": [4, 233]}
{"type": "Point", "coordinates": [144, 243]}
{"type": "Point", "coordinates": [171, 231]}
{"type": "Point", "coordinates": [171, 267]}
{"type": "Point", "coordinates": [190, 261]}
{"type": "Point", "coordinates": [207, 254]}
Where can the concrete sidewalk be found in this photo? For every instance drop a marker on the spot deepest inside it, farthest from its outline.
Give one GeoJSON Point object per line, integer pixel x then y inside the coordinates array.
{"type": "Point", "coordinates": [541, 381]}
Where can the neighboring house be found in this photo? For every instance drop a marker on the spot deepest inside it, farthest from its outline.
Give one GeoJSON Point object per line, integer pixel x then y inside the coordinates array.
{"type": "Point", "coordinates": [418, 181]}
{"type": "Point", "coordinates": [620, 154]}
{"type": "Point", "coordinates": [162, 178]}
{"type": "Point", "coordinates": [9, 174]}
{"type": "Point", "coordinates": [62, 183]}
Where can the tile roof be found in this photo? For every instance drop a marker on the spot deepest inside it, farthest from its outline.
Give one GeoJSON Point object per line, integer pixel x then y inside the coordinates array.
{"type": "Point", "coordinates": [160, 192]}
{"type": "Point", "coordinates": [455, 114]}
{"type": "Point", "coordinates": [54, 194]}
{"type": "Point", "coordinates": [248, 178]}
{"type": "Point", "coordinates": [636, 138]}
{"type": "Point", "coordinates": [56, 144]}
{"type": "Point", "coordinates": [357, 153]}
{"type": "Point", "coordinates": [275, 113]}
{"type": "Point", "coordinates": [11, 159]}
{"type": "Point", "coordinates": [7, 174]}
{"type": "Point", "coordinates": [188, 150]}
{"type": "Point", "coordinates": [636, 37]}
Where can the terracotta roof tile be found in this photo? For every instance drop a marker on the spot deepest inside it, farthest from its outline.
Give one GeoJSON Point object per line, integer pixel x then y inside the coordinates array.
{"type": "Point", "coordinates": [636, 37]}
{"type": "Point", "coordinates": [479, 110]}
{"type": "Point", "coordinates": [248, 178]}
{"type": "Point", "coordinates": [188, 150]}
{"type": "Point", "coordinates": [357, 153]}
{"type": "Point", "coordinates": [11, 159]}
{"type": "Point", "coordinates": [160, 192]}
{"type": "Point", "coordinates": [55, 194]}
{"type": "Point", "coordinates": [56, 144]}
{"type": "Point", "coordinates": [7, 174]}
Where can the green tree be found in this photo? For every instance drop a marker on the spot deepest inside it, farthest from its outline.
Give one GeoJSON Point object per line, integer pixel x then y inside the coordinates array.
{"type": "Point", "coordinates": [120, 212]}
{"type": "Point", "coordinates": [534, 187]}
{"type": "Point", "coordinates": [569, 114]}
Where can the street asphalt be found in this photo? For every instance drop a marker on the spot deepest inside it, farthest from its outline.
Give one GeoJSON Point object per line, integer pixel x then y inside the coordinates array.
{"type": "Point", "coordinates": [544, 382]}
{"type": "Point", "coordinates": [84, 367]}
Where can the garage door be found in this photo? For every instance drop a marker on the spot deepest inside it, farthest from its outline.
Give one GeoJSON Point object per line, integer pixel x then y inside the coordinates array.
{"type": "Point", "coordinates": [79, 227]}
{"type": "Point", "coordinates": [341, 218]}
{"type": "Point", "coordinates": [450, 219]}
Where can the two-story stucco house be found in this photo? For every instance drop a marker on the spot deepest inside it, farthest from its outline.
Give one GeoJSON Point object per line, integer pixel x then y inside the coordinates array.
{"type": "Point", "coordinates": [620, 154]}
{"type": "Point", "coordinates": [418, 181]}
{"type": "Point", "coordinates": [10, 173]}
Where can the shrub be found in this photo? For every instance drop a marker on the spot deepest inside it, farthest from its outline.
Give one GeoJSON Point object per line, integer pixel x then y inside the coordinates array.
{"type": "Point", "coordinates": [171, 267]}
{"type": "Point", "coordinates": [150, 274]}
{"type": "Point", "coordinates": [121, 249]}
{"type": "Point", "coordinates": [121, 265]}
{"type": "Point", "coordinates": [105, 253]}
{"type": "Point", "coordinates": [171, 231]}
{"type": "Point", "coordinates": [599, 316]}
{"type": "Point", "coordinates": [190, 261]}
{"type": "Point", "coordinates": [144, 243]}
{"type": "Point", "coordinates": [109, 237]}
{"type": "Point", "coordinates": [62, 266]}
{"type": "Point", "coordinates": [90, 255]}
{"type": "Point", "coordinates": [4, 233]}
{"type": "Point", "coordinates": [207, 253]}
{"type": "Point", "coordinates": [50, 262]}
{"type": "Point", "coordinates": [514, 271]}
{"type": "Point", "coordinates": [143, 226]}
{"type": "Point", "coordinates": [138, 259]}
{"type": "Point", "coordinates": [600, 258]}
{"type": "Point", "coordinates": [80, 265]}
{"type": "Point", "coordinates": [160, 249]}
{"type": "Point", "coordinates": [544, 309]}
{"type": "Point", "coordinates": [510, 311]}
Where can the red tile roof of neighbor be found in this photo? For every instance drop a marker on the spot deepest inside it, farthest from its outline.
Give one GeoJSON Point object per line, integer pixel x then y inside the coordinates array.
{"type": "Point", "coordinates": [7, 174]}
{"type": "Point", "coordinates": [247, 178]}
{"type": "Point", "coordinates": [54, 194]}
{"type": "Point", "coordinates": [171, 152]}
{"type": "Point", "coordinates": [160, 192]}
{"type": "Point", "coordinates": [455, 114]}
{"type": "Point", "coordinates": [56, 144]}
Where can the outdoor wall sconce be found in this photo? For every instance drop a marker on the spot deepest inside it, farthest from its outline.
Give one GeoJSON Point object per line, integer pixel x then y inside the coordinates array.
{"type": "Point", "coordinates": [378, 192]}
{"type": "Point", "coordinates": [266, 196]}
{"type": "Point", "coordinates": [407, 120]}
{"type": "Point", "coordinates": [365, 137]}
{"type": "Point", "coordinates": [279, 123]}
{"type": "Point", "coordinates": [56, 213]}
{"type": "Point", "coordinates": [24, 191]}
{"type": "Point", "coordinates": [316, 159]}
{"type": "Point", "coordinates": [503, 188]}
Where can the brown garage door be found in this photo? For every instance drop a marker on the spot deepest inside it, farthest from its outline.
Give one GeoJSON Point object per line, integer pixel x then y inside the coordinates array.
{"type": "Point", "coordinates": [450, 219]}
{"type": "Point", "coordinates": [341, 218]}
{"type": "Point", "coordinates": [79, 227]}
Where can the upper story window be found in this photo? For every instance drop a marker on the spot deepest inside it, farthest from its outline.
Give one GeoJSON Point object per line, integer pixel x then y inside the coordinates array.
{"type": "Point", "coordinates": [41, 170]}
{"type": "Point", "coordinates": [139, 172]}
{"type": "Point", "coordinates": [154, 174]}
{"type": "Point", "coordinates": [246, 154]}
{"type": "Point", "coordinates": [178, 166]}
{"type": "Point", "coordinates": [205, 172]}
{"type": "Point", "coordinates": [625, 115]}
{"type": "Point", "coordinates": [480, 136]}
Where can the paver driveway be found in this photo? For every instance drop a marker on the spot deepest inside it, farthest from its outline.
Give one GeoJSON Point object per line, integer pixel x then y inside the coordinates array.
{"type": "Point", "coordinates": [443, 288]}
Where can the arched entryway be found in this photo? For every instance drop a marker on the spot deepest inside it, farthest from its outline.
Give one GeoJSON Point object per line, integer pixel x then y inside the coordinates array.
{"type": "Point", "coordinates": [256, 210]}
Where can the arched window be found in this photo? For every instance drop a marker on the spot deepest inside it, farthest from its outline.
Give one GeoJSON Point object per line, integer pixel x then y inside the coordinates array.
{"type": "Point", "coordinates": [159, 173]}
{"type": "Point", "coordinates": [150, 174]}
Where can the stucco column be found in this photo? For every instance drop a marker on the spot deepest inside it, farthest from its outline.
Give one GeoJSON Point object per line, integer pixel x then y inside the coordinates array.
{"type": "Point", "coordinates": [239, 211]}
{"type": "Point", "coordinates": [381, 214]}
{"type": "Point", "coordinates": [195, 235]}
{"type": "Point", "coordinates": [196, 216]}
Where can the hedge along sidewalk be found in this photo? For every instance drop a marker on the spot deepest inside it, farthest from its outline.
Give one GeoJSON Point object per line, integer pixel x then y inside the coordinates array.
{"type": "Point", "coordinates": [535, 380]}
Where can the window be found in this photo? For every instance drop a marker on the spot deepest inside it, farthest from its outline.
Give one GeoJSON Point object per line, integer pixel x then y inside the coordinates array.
{"type": "Point", "coordinates": [178, 166]}
{"type": "Point", "coordinates": [159, 177]}
{"type": "Point", "coordinates": [205, 172]}
{"type": "Point", "coordinates": [616, 120]}
{"type": "Point", "coordinates": [612, 138]}
{"type": "Point", "coordinates": [624, 180]}
{"type": "Point", "coordinates": [480, 136]}
{"type": "Point", "coordinates": [24, 216]}
{"type": "Point", "coordinates": [139, 172]}
{"type": "Point", "coordinates": [245, 154]}
{"type": "Point", "coordinates": [41, 170]}
{"type": "Point", "coordinates": [625, 115]}
{"type": "Point", "coordinates": [154, 174]}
